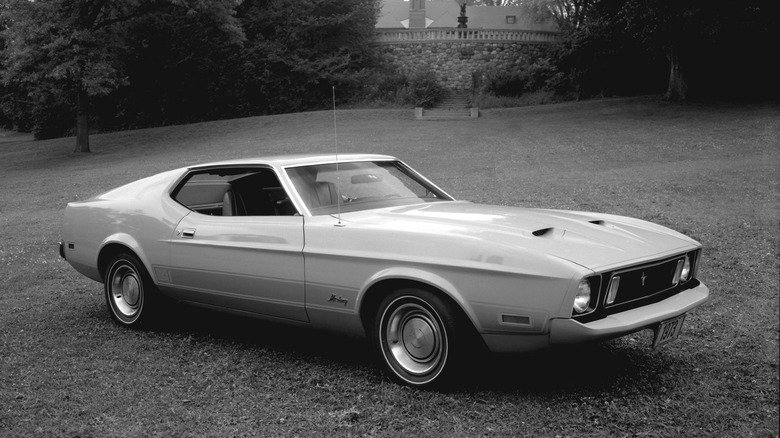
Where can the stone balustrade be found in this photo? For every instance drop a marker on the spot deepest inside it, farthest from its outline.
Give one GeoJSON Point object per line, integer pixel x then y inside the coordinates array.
{"type": "Point", "coordinates": [396, 36]}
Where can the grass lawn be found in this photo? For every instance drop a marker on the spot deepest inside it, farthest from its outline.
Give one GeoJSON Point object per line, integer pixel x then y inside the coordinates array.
{"type": "Point", "coordinates": [712, 172]}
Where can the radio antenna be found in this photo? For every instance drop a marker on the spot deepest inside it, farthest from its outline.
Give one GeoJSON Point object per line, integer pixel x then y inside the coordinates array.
{"type": "Point", "coordinates": [338, 174]}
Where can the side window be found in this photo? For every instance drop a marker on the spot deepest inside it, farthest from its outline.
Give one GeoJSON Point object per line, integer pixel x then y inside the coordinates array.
{"type": "Point", "coordinates": [235, 192]}
{"type": "Point", "coordinates": [203, 193]}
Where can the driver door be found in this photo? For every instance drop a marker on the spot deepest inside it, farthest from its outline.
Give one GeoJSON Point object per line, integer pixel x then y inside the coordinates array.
{"type": "Point", "coordinates": [248, 258]}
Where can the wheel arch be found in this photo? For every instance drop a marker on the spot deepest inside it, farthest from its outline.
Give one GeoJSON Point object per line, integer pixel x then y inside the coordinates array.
{"type": "Point", "coordinates": [117, 244]}
{"type": "Point", "coordinates": [388, 281]}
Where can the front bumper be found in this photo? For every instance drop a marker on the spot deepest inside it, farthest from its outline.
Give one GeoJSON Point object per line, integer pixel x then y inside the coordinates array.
{"type": "Point", "coordinates": [569, 331]}
{"type": "Point", "coordinates": [563, 331]}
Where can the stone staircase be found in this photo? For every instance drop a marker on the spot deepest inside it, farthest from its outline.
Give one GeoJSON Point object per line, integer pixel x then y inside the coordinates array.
{"type": "Point", "coordinates": [456, 104]}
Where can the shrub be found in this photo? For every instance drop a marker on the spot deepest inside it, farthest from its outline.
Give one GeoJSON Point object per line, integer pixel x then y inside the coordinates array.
{"type": "Point", "coordinates": [380, 87]}
{"type": "Point", "coordinates": [53, 122]}
{"type": "Point", "coordinates": [486, 101]}
{"type": "Point", "coordinates": [384, 86]}
{"type": "Point", "coordinates": [52, 116]}
{"type": "Point", "coordinates": [538, 76]}
{"type": "Point", "coordinates": [424, 88]}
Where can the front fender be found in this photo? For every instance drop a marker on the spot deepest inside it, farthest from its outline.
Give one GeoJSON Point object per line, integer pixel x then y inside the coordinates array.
{"type": "Point", "coordinates": [406, 273]}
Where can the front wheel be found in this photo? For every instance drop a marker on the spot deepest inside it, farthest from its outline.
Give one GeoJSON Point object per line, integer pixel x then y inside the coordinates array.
{"type": "Point", "coordinates": [129, 290]}
{"type": "Point", "coordinates": [414, 331]}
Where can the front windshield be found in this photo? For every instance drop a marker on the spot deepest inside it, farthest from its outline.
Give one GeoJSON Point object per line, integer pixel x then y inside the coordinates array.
{"type": "Point", "coordinates": [360, 186]}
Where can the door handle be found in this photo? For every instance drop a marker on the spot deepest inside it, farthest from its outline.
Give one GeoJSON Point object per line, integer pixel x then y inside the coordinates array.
{"type": "Point", "coordinates": [187, 233]}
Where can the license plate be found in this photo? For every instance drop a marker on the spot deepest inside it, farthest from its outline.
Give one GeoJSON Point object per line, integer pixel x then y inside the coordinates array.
{"type": "Point", "coordinates": [668, 330]}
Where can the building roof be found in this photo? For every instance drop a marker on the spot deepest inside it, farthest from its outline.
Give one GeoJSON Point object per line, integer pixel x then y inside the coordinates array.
{"type": "Point", "coordinates": [443, 14]}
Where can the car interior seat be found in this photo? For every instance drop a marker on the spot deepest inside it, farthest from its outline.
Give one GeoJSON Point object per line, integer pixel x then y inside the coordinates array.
{"type": "Point", "coordinates": [229, 204]}
{"type": "Point", "coordinates": [324, 194]}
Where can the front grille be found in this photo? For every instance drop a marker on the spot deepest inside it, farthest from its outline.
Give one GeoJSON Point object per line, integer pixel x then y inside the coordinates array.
{"type": "Point", "coordinates": [645, 281]}
{"type": "Point", "coordinates": [658, 285]}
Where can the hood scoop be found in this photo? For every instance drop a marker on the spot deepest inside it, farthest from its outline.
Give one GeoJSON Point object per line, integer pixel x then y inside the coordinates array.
{"type": "Point", "coordinates": [549, 232]}
{"type": "Point", "coordinates": [541, 232]}
{"type": "Point", "coordinates": [552, 232]}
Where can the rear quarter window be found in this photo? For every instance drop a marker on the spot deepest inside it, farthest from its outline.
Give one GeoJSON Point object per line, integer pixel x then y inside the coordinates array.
{"type": "Point", "coordinates": [202, 189]}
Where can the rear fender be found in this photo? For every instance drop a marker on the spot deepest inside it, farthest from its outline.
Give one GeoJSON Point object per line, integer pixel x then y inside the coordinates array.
{"type": "Point", "coordinates": [131, 243]}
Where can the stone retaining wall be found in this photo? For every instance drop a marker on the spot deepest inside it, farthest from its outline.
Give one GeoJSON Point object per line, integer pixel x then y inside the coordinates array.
{"type": "Point", "coordinates": [455, 62]}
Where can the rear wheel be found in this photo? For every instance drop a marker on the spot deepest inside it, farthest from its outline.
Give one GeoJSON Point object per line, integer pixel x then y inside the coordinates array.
{"type": "Point", "coordinates": [129, 290]}
{"type": "Point", "coordinates": [415, 333]}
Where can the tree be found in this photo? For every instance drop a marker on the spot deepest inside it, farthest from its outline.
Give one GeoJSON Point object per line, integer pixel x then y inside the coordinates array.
{"type": "Point", "coordinates": [697, 48]}
{"type": "Point", "coordinates": [180, 68]}
{"type": "Point", "coordinates": [668, 26]}
{"type": "Point", "coordinates": [712, 46]}
{"type": "Point", "coordinates": [296, 51]}
{"type": "Point", "coordinates": [72, 50]}
{"type": "Point", "coordinates": [568, 14]}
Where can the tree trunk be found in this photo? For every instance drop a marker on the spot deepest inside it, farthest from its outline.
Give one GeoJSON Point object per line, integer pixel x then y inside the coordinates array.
{"type": "Point", "coordinates": [677, 89]}
{"type": "Point", "coordinates": [82, 122]}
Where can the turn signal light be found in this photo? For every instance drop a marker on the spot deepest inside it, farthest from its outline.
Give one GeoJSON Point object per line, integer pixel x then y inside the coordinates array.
{"type": "Point", "coordinates": [614, 285]}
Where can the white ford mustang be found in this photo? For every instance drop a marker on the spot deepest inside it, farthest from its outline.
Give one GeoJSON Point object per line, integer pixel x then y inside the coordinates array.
{"type": "Point", "coordinates": [363, 244]}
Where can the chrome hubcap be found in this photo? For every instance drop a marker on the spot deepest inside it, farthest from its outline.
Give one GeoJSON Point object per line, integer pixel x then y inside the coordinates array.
{"type": "Point", "coordinates": [418, 338]}
{"type": "Point", "coordinates": [126, 291]}
{"type": "Point", "coordinates": [414, 339]}
{"type": "Point", "coordinates": [130, 292]}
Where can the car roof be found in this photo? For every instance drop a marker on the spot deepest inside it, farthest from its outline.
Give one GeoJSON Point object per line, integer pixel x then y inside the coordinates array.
{"type": "Point", "coordinates": [296, 160]}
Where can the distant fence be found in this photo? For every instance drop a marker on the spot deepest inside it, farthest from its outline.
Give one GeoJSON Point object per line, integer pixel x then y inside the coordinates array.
{"type": "Point", "coordinates": [396, 36]}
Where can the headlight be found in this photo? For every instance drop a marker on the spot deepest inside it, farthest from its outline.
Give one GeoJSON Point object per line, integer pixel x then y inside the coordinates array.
{"type": "Point", "coordinates": [582, 299]}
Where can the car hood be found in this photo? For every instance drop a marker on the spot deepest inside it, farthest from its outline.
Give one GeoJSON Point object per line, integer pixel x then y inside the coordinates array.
{"type": "Point", "coordinates": [592, 240]}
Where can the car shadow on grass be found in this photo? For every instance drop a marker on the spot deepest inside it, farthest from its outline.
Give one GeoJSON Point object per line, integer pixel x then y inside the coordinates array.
{"type": "Point", "coordinates": [615, 366]}
{"type": "Point", "coordinates": [599, 367]}
{"type": "Point", "coordinates": [217, 327]}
